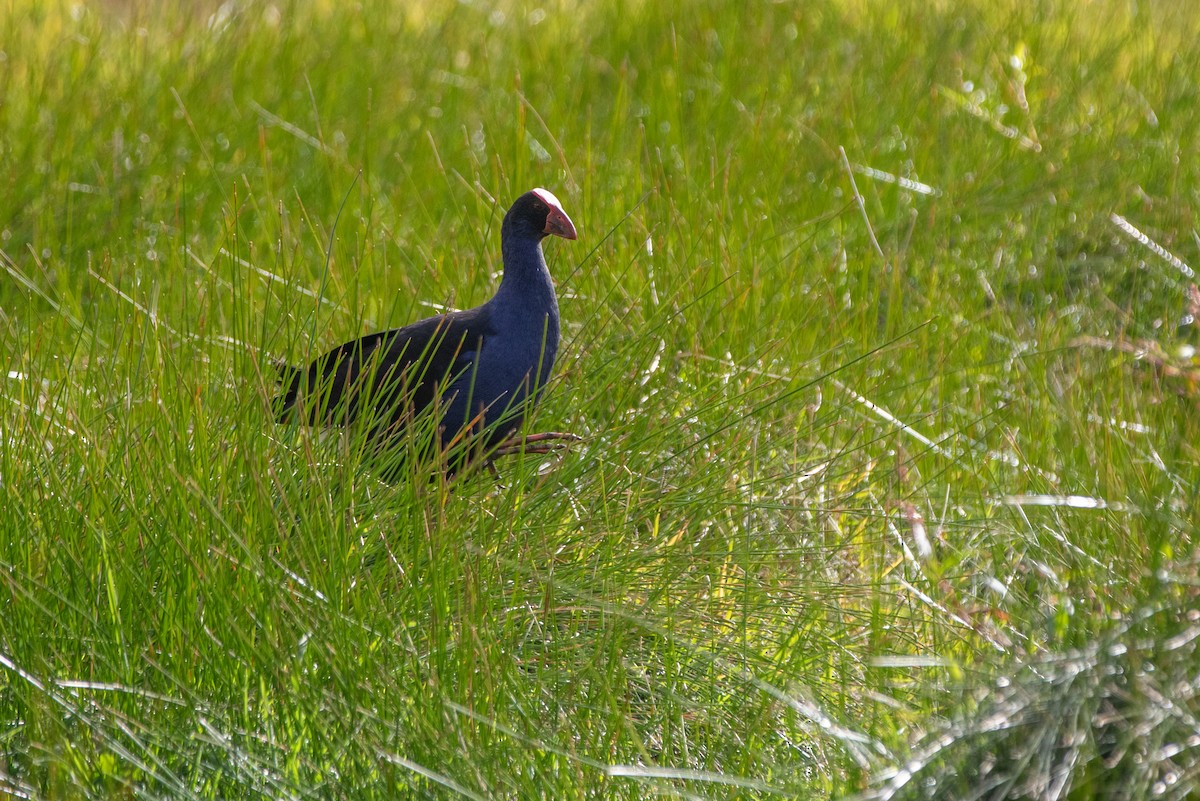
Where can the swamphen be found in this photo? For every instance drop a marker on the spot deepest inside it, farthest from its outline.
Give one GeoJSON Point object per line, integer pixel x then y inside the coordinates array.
{"type": "Point", "coordinates": [477, 370]}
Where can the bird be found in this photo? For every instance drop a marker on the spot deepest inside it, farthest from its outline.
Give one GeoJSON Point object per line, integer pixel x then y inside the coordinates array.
{"type": "Point", "coordinates": [476, 371]}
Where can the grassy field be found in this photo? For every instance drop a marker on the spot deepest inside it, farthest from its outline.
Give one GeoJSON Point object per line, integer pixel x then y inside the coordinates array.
{"type": "Point", "coordinates": [879, 329]}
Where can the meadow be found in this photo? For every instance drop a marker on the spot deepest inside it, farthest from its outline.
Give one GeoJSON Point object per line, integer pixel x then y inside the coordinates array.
{"type": "Point", "coordinates": [880, 331]}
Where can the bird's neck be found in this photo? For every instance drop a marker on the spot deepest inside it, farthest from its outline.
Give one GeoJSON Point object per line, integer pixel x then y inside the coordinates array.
{"type": "Point", "coordinates": [526, 283]}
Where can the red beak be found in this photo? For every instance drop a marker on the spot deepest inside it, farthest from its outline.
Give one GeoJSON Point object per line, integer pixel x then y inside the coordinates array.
{"type": "Point", "coordinates": [559, 224]}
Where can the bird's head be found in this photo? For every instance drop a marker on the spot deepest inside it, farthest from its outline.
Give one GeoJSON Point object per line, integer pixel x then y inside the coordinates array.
{"type": "Point", "coordinates": [539, 213]}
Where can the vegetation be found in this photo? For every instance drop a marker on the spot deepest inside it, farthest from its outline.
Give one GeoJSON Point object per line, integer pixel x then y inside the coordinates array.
{"type": "Point", "coordinates": [880, 331]}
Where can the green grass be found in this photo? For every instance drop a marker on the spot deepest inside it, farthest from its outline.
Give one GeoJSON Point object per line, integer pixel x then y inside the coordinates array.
{"type": "Point", "coordinates": [800, 543]}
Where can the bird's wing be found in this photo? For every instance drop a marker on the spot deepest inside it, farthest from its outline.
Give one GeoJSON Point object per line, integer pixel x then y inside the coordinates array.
{"type": "Point", "coordinates": [389, 373]}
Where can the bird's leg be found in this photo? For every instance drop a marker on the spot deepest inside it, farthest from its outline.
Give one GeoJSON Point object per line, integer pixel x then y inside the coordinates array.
{"type": "Point", "coordinates": [546, 436]}
{"type": "Point", "coordinates": [546, 442]}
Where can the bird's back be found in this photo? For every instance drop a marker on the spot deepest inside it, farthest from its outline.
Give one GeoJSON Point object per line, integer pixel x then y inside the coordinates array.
{"type": "Point", "coordinates": [388, 377]}
{"type": "Point", "coordinates": [477, 376]}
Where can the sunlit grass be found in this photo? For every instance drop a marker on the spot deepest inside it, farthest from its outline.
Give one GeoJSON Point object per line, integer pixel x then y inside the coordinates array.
{"type": "Point", "coordinates": [876, 331]}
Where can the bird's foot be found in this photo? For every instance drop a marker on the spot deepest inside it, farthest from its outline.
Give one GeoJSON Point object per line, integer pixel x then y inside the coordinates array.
{"type": "Point", "coordinates": [490, 466]}
{"type": "Point", "coordinates": [546, 442]}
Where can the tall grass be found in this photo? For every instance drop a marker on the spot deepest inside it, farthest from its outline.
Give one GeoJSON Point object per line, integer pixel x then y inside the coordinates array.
{"type": "Point", "coordinates": [875, 329]}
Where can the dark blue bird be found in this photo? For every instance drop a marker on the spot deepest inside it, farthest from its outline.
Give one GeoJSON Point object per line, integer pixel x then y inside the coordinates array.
{"type": "Point", "coordinates": [477, 370]}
